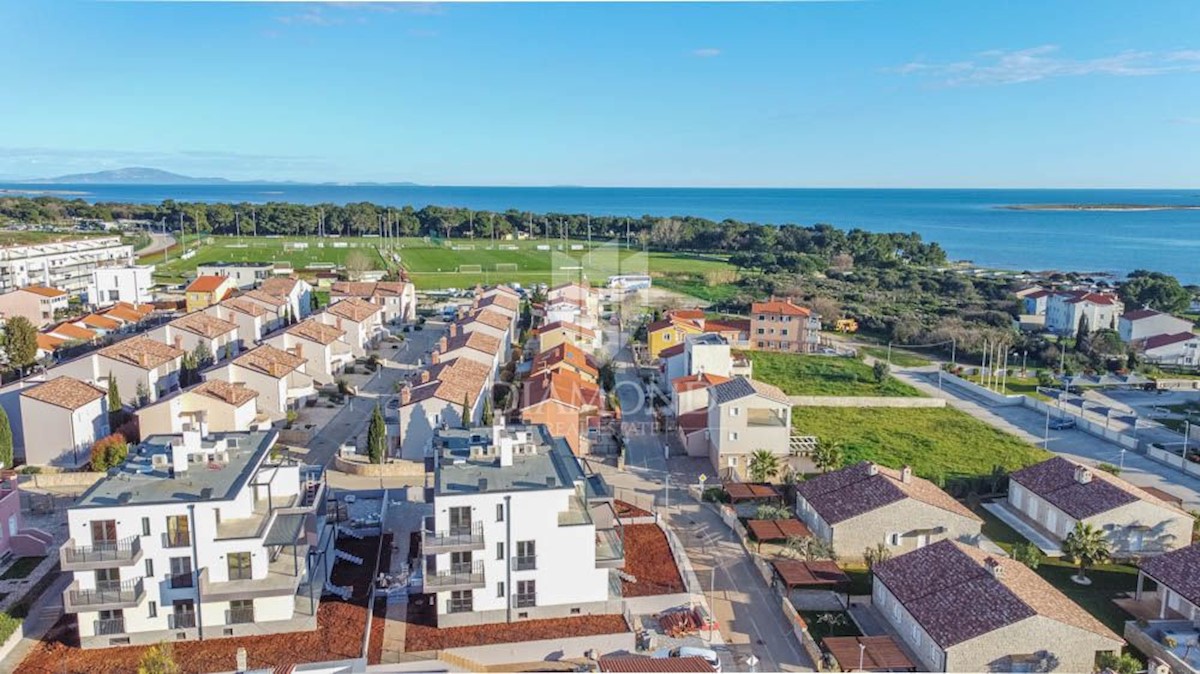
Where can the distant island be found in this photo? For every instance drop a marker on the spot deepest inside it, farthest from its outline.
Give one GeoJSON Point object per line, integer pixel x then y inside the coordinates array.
{"type": "Point", "coordinates": [140, 175]}
{"type": "Point", "coordinates": [1100, 207]}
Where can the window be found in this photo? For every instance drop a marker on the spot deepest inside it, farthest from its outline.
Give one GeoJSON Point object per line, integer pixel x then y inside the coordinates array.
{"type": "Point", "coordinates": [461, 601]}
{"type": "Point", "coordinates": [178, 534]}
{"type": "Point", "coordinates": [241, 611]}
{"type": "Point", "coordinates": [239, 566]}
{"type": "Point", "coordinates": [460, 520]}
{"type": "Point", "coordinates": [181, 572]}
{"type": "Point", "coordinates": [733, 435]}
{"type": "Point", "coordinates": [500, 589]}
{"type": "Point", "coordinates": [575, 611]}
{"type": "Point", "coordinates": [526, 593]}
{"type": "Point", "coordinates": [145, 526]}
{"type": "Point", "coordinates": [104, 532]}
{"type": "Point", "coordinates": [153, 608]}
{"type": "Point", "coordinates": [149, 568]}
{"type": "Point", "coordinates": [526, 556]}
{"type": "Point", "coordinates": [731, 461]}
{"type": "Point", "coordinates": [460, 562]}
{"type": "Point", "coordinates": [893, 539]}
{"type": "Point", "coordinates": [500, 550]}
{"type": "Point", "coordinates": [734, 411]}
{"type": "Point", "coordinates": [499, 512]}
{"type": "Point", "coordinates": [108, 579]}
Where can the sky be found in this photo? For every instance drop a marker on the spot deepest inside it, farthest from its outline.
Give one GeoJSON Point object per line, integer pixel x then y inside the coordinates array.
{"type": "Point", "coordinates": [877, 93]}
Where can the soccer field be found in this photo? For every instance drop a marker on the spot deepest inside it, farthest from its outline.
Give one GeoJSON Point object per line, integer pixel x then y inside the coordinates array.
{"type": "Point", "coordinates": [263, 249]}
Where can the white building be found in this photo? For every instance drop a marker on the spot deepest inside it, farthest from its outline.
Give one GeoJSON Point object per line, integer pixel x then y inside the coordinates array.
{"type": "Point", "coordinates": [744, 416]}
{"type": "Point", "coordinates": [245, 275]}
{"type": "Point", "coordinates": [62, 418]}
{"type": "Point", "coordinates": [398, 299]}
{"type": "Point", "coordinates": [321, 346]}
{"type": "Point", "coordinates": [276, 375]}
{"type": "Point", "coordinates": [520, 531]}
{"type": "Point", "coordinates": [1066, 310]}
{"type": "Point", "coordinates": [298, 293]}
{"type": "Point", "coordinates": [438, 399]}
{"type": "Point", "coordinates": [129, 283]}
{"type": "Point", "coordinates": [222, 407]}
{"type": "Point", "coordinates": [1178, 349]}
{"type": "Point", "coordinates": [140, 365]}
{"type": "Point", "coordinates": [359, 319]}
{"type": "Point", "coordinates": [1142, 324]}
{"type": "Point", "coordinates": [197, 538]}
{"type": "Point", "coordinates": [66, 265]}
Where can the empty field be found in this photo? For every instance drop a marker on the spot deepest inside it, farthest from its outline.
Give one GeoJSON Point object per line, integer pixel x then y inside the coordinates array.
{"type": "Point", "coordinates": [805, 375]}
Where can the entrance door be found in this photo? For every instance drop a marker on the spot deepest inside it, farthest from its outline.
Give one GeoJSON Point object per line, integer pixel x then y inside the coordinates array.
{"type": "Point", "coordinates": [104, 533]}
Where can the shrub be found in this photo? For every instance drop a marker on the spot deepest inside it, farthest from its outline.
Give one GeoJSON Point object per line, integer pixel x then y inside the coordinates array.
{"type": "Point", "coordinates": [1109, 468]}
{"type": "Point", "coordinates": [109, 451]}
{"type": "Point", "coordinates": [716, 495]}
{"type": "Point", "coordinates": [292, 416]}
{"type": "Point", "coordinates": [130, 430]}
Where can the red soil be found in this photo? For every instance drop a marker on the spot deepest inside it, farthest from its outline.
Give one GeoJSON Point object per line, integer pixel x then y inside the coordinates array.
{"type": "Point", "coordinates": [648, 558]}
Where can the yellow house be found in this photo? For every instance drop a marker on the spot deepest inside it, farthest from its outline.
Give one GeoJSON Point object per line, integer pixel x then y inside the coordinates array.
{"type": "Point", "coordinates": [557, 333]}
{"type": "Point", "coordinates": [666, 333]}
{"type": "Point", "coordinates": [206, 291]}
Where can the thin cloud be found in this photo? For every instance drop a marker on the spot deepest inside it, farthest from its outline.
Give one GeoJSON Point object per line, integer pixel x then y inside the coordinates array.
{"type": "Point", "coordinates": [1185, 121]}
{"type": "Point", "coordinates": [998, 66]}
{"type": "Point", "coordinates": [706, 52]}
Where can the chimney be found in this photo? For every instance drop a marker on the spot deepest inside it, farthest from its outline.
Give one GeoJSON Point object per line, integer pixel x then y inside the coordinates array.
{"type": "Point", "coordinates": [483, 484]}
{"type": "Point", "coordinates": [405, 394]}
{"type": "Point", "coordinates": [424, 376]}
{"type": "Point", "coordinates": [906, 474]}
{"type": "Point", "coordinates": [435, 357]}
{"type": "Point", "coordinates": [453, 330]}
{"type": "Point", "coordinates": [442, 344]}
{"type": "Point", "coordinates": [179, 342]}
{"type": "Point", "coordinates": [299, 350]}
{"type": "Point", "coordinates": [143, 359]}
{"type": "Point", "coordinates": [339, 323]}
{"type": "Point", "coordinates": [994, 567]}
{"type": "Point", "coordinates": [1082, 475]}
{"type": "Point", "coordinates": [506, 452]}
{"type": "Point", "coordinates": [872, 469]}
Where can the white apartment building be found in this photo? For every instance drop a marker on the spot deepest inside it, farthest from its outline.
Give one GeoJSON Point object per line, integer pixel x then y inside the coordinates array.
{"type": "Point", "coordinates": [130, 283]}
{"type": "Point", "coordinates": [66, 265]}
{"type": "Point", "coordinates": [245, 275]}
{"type": "Point", "coordinates": [1065, 311]}
{"type": "Point", "coordinates": [197, 538]}
{"type": "Point", "coordinates": [520, 531]}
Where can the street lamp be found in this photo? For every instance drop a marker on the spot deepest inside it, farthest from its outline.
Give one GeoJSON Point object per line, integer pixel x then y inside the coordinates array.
{"type": "Point", "coordinates": [862, 651]}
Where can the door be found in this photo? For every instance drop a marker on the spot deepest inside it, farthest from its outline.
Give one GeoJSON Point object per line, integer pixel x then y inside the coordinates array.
{"type": "Point", "coordinates": [460, 562]}
{"type": "Point", "coordinates": [460, 520]}
{"type": "Point", "coordinates": [104, 533]}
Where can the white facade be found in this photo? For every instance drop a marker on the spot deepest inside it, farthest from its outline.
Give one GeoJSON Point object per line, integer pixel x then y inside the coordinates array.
{"type": "Point", "coordinates": [61, 436]}
{"type": "Point", "coordinates": [1065, 312]}
{"type": "Point", "coordinates": [176, 544]}
{"type": "Point", "coordinates": [66, 265]}
{"type": "Point", "coordinates": [130, 284]}
{"type": "Point", "coordinates": [1181, 352]}
{"type": "Point", "coordinates": [1136, 326]}
{"type": "Point", "coordinates": [245, 275]}
{"type": "Point", "coordinates": [709, 354]}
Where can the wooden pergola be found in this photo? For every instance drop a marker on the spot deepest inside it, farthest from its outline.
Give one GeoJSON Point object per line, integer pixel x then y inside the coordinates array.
{"type": "Point", "coordinates": [747, 491]}
{"type": "Point", "coordinates": [776, 530]}
{"type": "Point", "coordinates": [876, 654]}
{"type": "Point", "coordinates": [823, 574]}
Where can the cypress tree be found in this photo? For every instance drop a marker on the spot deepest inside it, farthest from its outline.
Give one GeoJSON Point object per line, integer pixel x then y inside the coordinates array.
{"type": "Point", "coordinates": [376, 437]}
{"type": "Point", "coordinates": [6, 441]}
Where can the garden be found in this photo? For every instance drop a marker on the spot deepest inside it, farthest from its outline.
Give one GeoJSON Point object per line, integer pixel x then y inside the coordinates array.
{"type": "Point", "coordinates": [811, 375]}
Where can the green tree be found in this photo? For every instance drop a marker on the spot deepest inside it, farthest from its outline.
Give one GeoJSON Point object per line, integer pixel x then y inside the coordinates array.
{"type": "Point", "coordinates": [466, 411]}
{"type": "Point", "coordinates": [1124, 663]}
{"type": "Point", "coordinates": [143, 393]}
{"type": "Point", "coordinates": [486, 417]}
{"type": "Point", "coordinates": [828, 456]}
{"type": "Point", "coordinates": [6, 441]}
{"type": "Point", "coordinates": [763, 465]}
{"type": "Point", "coordinates": [880, 371]}
{"type": "Point", "coordinates": [1086, 546]}
{"type": "Point", "coordinates": [768, 511]}
{"type": "Point", "coordinates": [376, 437]}
{"type": "Point", "coordinates": [1082, 335]}
{"type": "Point", "coordinates": [158, 659]}
{"type": "Point", "coordinates": [877, 554]}
{"type": "Point", "coordinates": [115, 408]}
{"type": "Point", "coordinates": [109, 451]}
{"type": "Point", "coordinates": [1028, 554]}
{"type": "Point", "coordinates": [1156, 290]}
{"type": "Point", "coordinates": [21, 341]}
{"type": "Point", "coordinates": [203, 356]}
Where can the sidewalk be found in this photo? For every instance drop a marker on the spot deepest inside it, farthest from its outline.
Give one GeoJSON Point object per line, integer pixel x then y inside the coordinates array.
{"type": "Point", "coordinates": [42, 615]}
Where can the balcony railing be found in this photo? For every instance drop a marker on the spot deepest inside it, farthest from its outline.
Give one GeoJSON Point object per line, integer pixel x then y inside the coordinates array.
{"type": "Point", "coordinates": [109, 553]}
{"type": "Point", "coordinates": [182, 620]}
{"type": "Point", "coordinates": [454, 539]}
{"type": "Point", "coordinates": [458, 577]}
{"type": "Point", "coordinates": [109, 627]}
{"type": "Point", "coordinates": [179, 580]}
{"type": "Point", "coordinates": [526, 563]}
{"type": "Point", "coordinates": [176, 539]}
{"type": "Point", "coordinates": [460, 605]}
{"type": "Point", "coordinates": [524, 600]}
{"type": "Point", "coordinates": [239, 616]}
{"type": "Point", "coordinates": [115, 594]}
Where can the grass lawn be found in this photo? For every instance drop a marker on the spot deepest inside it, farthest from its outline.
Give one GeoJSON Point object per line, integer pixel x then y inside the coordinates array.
{"type": "Point", "coordinates": [899, 358]}
{"type": "Point", "coordinates": [860, 578]}
{"type": "Point", "coordinates": [21, 568]}
{"type": "Point", "coordinates": [835, 624]}
{"type": "Point", "coordinates": [17, 237]}
{"type": "Point", "coordinates": [936, 442]}
{"type": "Point", "coordinates": [1014, 386]}
{"type": "Point", "coordinates": [804, 375]}
{"type": "Point", "coordinates": [263, 249]}
{"type": "Point", "coordinates": [1108, 580]}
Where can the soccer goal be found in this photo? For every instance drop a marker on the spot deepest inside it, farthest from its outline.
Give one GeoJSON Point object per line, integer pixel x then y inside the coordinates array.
{"type": "Point", "coordinates": [464, 246]}
{"type": "Point", "coordinates": [470, 269]}
{"type": "Point", "coordinates": [507, 266]}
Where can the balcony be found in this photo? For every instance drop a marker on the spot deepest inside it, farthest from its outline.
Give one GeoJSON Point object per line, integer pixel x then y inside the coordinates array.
{"type": "Point", "coordinates": [282, 579]}
{"type": "Point", "coordinates": [458, 577]}
{"type": "Point", "coordinates": [106, 596]}
{"type": "Point", "coordinates": [181, 580]}
{"type": "Point", "coordinates": [176, 539]}
{"type": "Point", "coordinates": [103, 555]}
{"type": "Point", "coordinates": [526, 563]}
{"type": "Point", "coordinates": [182, 620]}
{"type": "Point", "coordinates": [239, 616]}
{"type": "Point", "coordinates": [110, 627]}
{"type": "Point", "coordinates": [460, 606]}
{"type": "Point", "coordinates": [456, 539]}
{"type": "Point", "coordinates": [576, 513]}
{"type": "Point", "coordinates": [610, 549]}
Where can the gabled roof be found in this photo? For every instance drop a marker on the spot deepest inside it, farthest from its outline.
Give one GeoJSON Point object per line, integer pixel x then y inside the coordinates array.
{"type": "Point", "coordinates": [66, 392]}
{"type": "Point", "coordinates": [245, 306]}
{"type": "Point", "coordinates": [353, 309]}
{"type": "Point", "coordinates": [316, 331]}
{"type": "Point", "coordinates": [1140, 314]}
{"type": "Point", "coordinates": [567, 353]}
{"type": "Point", "coordinates": [452, 381]}
{"type": "Point", "coordinates": [391, 288]}
{"type": "Point", "coordinates": [695, 382]}
{"type": "Point", "coordinates": [727, 325]}
{"type": "Point", "coordinates": [691, 422]}
{"type": "Point", "coordinates": [854, 490]}
{"type": "Point", "coordinates": [475, 340]}
{"type": "Point", "coordinates": [955, 593]}
{"type": "Point", "coordinates": [73, 332]}
{"type": "Point", "coordinates": [677, 323]}
{"type": "Point", "coordinates": [142, 352]}
{"type": "Point", "coordinates": [233, 394]}
{"type": "Point", "coordinates": [1037, 294]}
{"type": "Point", "coordinates": [686, 314]}
{"type": "Point", "coordinates": [502, 300]}
{"type": "Point", "coordinates": [569, 327]}
{"type": "Point", "coordinates": [774, 306]}
{"type": "Point", "coordinates": [268, 299]}
{"type": "Point", "coordinates": [102, 322]}
{"type": "Point", "coordinates": [1159, 341]}
{"type": "Point", "coordinates": [1094, 298]}
{"type": "Point", "coordinates": [44, 291]}
{"type": "Point", "coordinates": [270, 361]}
{"type": "Point", "coordinates": [281, 286]}
{"type": "Point", "coordinates": [125, 314]}
{"type": "Point", "coordinates": [672, 351]}
{"type": "Point", "coordinates": [1054, 480]}
{"type": "Point", "coordinates": [561, 386]}
{"type": "Point", "coordinates": [352, 288]}
{"type": "Point", "coordinates": [740, 387]}
{"type": "Point", "coordinates": [207, 284]}
{"type": "Point", "coordinates": [1178, 570]}
{"type": "Point", "coordinates": [203, 324]}
{"type": "Point", "coordinates": [492, 318]}
{"type": "Point", "coordinates": [47, 342]}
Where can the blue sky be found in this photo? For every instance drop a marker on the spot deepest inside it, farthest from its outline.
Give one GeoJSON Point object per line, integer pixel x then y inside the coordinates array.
{"type": "Point", "coordinates": [881, 93]}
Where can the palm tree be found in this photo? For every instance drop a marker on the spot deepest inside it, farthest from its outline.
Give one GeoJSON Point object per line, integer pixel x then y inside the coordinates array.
{"type": "Point", "coordinates": [763, 465]}
{"type": "Point", "coordinates": [1086, 546]}
{"type": "Point", "coordinates": [828, 455]}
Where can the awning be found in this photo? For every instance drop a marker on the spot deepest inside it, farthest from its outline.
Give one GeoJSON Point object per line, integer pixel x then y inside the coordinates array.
{"type": "Point", "coordinates": [744, 491]}
{"type": "Point", "coordinates": [795, 573]}
{"type": "Point", "coordinates": [777, 530]}
{"type": "Point", "coordinates": [285, 530]}
{"type": "Point", "coordinates": [879, 654]}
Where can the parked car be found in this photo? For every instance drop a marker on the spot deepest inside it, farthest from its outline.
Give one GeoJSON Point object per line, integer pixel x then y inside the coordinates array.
{"type": "Point", "coordinates": [1062, 423]}
{"type": "Point", "coordinates": [709, 655]}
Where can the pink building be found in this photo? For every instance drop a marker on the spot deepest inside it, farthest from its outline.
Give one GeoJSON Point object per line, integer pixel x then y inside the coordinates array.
{"type": "Point", "coordinates": [17, 540]}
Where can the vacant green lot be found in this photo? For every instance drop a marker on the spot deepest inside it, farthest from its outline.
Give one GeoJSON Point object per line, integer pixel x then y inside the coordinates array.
{"type": "Point", "coordinates": [936, 442]}
{"type": "Point", "coordinates": [898, 358]}
{"type": "Point", "coordinates": [263, 249]}
{"type": "Point", "coordinates": [803, 375]}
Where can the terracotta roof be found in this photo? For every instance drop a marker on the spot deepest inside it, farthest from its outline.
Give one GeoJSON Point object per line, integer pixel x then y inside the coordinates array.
{"type": "Point", "coordinates": [563, 386]}
{"type": "Point", "coordinates": [955, 594]}
{"type": "Point", "coordinates": [852, 491]}
{"type": "Point", "coordinates": [505, 289]}
{"type": "Point", "coordinates": [269, 360]}
{"type": "Point", "coordinates": [245, 306]}
{"type": "Point", "coordinates": [491, 317]}
{"type": "Point", "coordinates": [143, 309]}
{"type": "Point", "coordinates": [1139, 314]}
{"type": "Point", "coordinates": [740, 387]}
{"type": "Point", "coordinates": [567, 353]}
{"type": "Point", "coordinates": [102, 322]}
{"type": "Point", "coordinates": [315, 330]}
{"type": "Point", "coordinates": [207, 284]}
{"type": "Point", "coordinates": [141, 351]}
{"type": "Point", "coordinates": [44, 291]}
{"type": "Point", "coordinates": [1159, 341]}
{"type": "Point", "coordinates": [796, 573]}
{"type": "Point", "coordinates": [234, 394]}
{"type": "Point", "coordinates": [453, 380]}
{"type": "Point", "coordinates": [124, 314]}
{"type": "Point", "coordinates": [354, 309]}
{"type": "Point", "coordinates": [1037, 294]}
{"type": "Point", "coordinates": [728, 325]}
{"type": "Point", "coordinates": [774, 306]}
{"type": "Point", "coordinates": [501, 300]}
{"type": "Point", "coordinates": [1178, 570]}
{"type": "Point", "coordinates": [691, 422]}
{"type": "Point", "coordinates": [47, 342]}
{"type": "Point", "coordinates": [278, 285]}
{"type": "Point", "coordinates": [695, 382]}
{"type": "Point", "coordinates": [392, 288]}
{"type": "Point", "coordinates": [1055, 481]}
{"type": "Point", "coordinates": [672, 351]}
{"type": "Point", "coordinates": [641, 663]}
{"type": "Point", "coordinates": [353, 288]}
{"type": "Point", "coordinates": [476, 340]}
{"type": "Point", "coordinates": [1094, 298]}
{"type": "Point", "coordinates": [73, 332]}
{"type": "Point", "coordinates": [686, 314]}
{"type": "Point", "coordinates": [274, 301]}
{"type": "Point", "coordinates": [570, 327]}
{"type": "Point", "coordinates": [203, 324]}
{"type": "Point", "coordinates": [65, 392]}
{"type": "Point", "coordinates": [659, 326]}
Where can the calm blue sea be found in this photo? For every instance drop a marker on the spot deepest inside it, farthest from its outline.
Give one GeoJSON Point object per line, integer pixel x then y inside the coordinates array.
{"type": "Point", "coordinates": [967, 223]}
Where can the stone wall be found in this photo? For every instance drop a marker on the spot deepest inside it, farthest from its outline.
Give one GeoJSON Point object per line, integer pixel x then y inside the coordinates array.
{"type": "Point", "coordinates": [394, 468]}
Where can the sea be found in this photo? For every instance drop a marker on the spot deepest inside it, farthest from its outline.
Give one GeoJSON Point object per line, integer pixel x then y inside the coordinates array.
{"type": "Point", "coordinates": [970, 224]}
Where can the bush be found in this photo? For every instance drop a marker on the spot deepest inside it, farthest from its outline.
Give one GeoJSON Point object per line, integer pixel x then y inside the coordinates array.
{"type": "Point", "coordinates": [1109, 468]}
{"type": "Point", "coordinates": [109, 451]}
{"type": "Point", "coordinates": [31, 470]}
{"type": "Point", "coordinates": [8, 625]}
{"type": "Point", "coordinates": [130, 430]}
{"type": "Point", "coordinates": [715, 495]}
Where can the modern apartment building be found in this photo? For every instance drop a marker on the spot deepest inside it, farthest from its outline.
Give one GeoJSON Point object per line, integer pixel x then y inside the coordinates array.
{"type": "Point", "coordinates": [781, 325]}
{"type": "Point", "coordinates": [245, 275]}
{"type": "Point", "coordinates": [130, 283]}
{"type": "Point", "coordinates": [66, 265]}
{"type": "Point", "coordinates": [520, 530]}
{"type": "Point", "coordinates": [195, 538]}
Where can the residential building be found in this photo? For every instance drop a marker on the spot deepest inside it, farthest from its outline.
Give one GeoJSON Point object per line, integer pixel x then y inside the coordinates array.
{"type": "Point", "coordinates": [48, 346]}
{"type": "Point", "coordinates": [73, 334]}
{"type": "Point", "coordinates": [1141, 324]}
{"type": "Point", "coordinates": [551, 335]}
{"type": "Point", "coordinates": [492, 322]}
{"type": "Point", "coordinates": [1035, 301]}
{"type": "Point", "coordinates": [16, 539]}
{"type": "Point", "coordinates": [661, 335]}
{"type": "Point", "coordinates": [1178, 349]}
{"type": "Point", "coordinates": [743, 416]}
{"type": "Point", "coordinates": [1176, 576]}
{"type": "Point", "coordinates": [567, 357]}
{"type": "Point", "coordinates": [1067, 310]}
{"type": "Point", "coordinates": [782, 325]}
{"type": "Point", "coordinates": [100, 324]}
{"type": "Point", "coordinates": [198, 537]}
{"type": "Point", "coordinates": [66, 265]}
{"type": "Point", "coordinates": [476, 345]}
{"type": "Point", "coordinates": [505, 303]}
{"type": "Point", "coordinates": [297, 292]}
{"type": "Point", "coordinates": [253, 320]}
{"type": "Point", "coordinates": [565, 404]}
{"type": "Point", "coordinates": [582, 294]}
{"type": "Point", "coordinates": [321, 346]}
{"type": "Point", "coordinates": [245, 275]}
{"type": "Point", "coordinates": [690, 392]}
{"type": "Point", "coordinates": [130, 283]}
{"type": "Point", "coordinates": [276, 306]}
{"type": "Point", "coordinates": [438, 399]}
{"type": "Point", "coordinates": [520, 530]}
{"type": "Point", "coordinates": [144, 369]}
{"type": "Point", "coordinates": [735, 331]}
{"type": "Point", "coordinates": [277, 376]}
{"type": "Point", "coordinates": [201, 330]}
{"type": "Point", "coordinates": [131, 316]}
{"type": "Point", "coordinates": [38, 304]}
{"type": "Point", "coordinates": [865, 505]}
{"type": "Point", "coordinates": [206, 291]}
{"type": "Point", "coordinates": [398, 298]}
{"type": "Point", "coordinates": [359, 319]}
{"type": "Point", "coordinates": [221, 406]}
{"type": "Point", "coordinates": [960, 609]}
{"type": "Point", "coordinates": [566, 310]}
{"type": "Point", "coordinates": [61, 420]}
{"type": "Point", "coordinates": [1055, 494]}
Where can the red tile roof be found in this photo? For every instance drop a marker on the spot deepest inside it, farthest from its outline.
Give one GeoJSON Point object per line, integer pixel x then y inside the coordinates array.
{"type": "Point", "coordinates": [48, 342]}
{"type": "Point", "coordinates": [207, 284]}
{"type": "Point", "coordinates": [73, 332]}
{"type": "Point", "coordinates": [354, 308]}
{"type": "Point", "coordinates": [686, 314]}
{"type": "Point", "coordinates": [728, 325]}
{"type": "Point", "coordinates": [562, 386]}
{"type": "Point", "coordinates": [234, 394]}
{"type": "Point", "coordinates": [570, 327]}
{"type": "Point", "coordinates": [695, 382]}
{"type": "Point", "coordinates": [65, 392]}
{"type": "Point", "coordinates": [691, 422]}
{"type": "Point", "coordinates": [269, 360]}
{"type": "Point", "coordinates": [278, 285]}
{"type": "Point", "coordinates": [44, 291]}
{"type": "Point", "coordinates": [203, 324]}
{"type": "Point", "coordinates": [1139, 314]}
{"type": "Point", "coordinates": [1159, 341]}
{"type": "Point", "coordinates": [102, 322]}
{"type": "Point", "coordinates": [316, 331]}
{"type": "Point", "coordinates": [565, 353]}
{"type": "Point", "coordinates": [1094, 298]}
{"type": "Point", "coordinates": [142, 352]}
{"type": "Point", "coordinates": [774, 306]}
